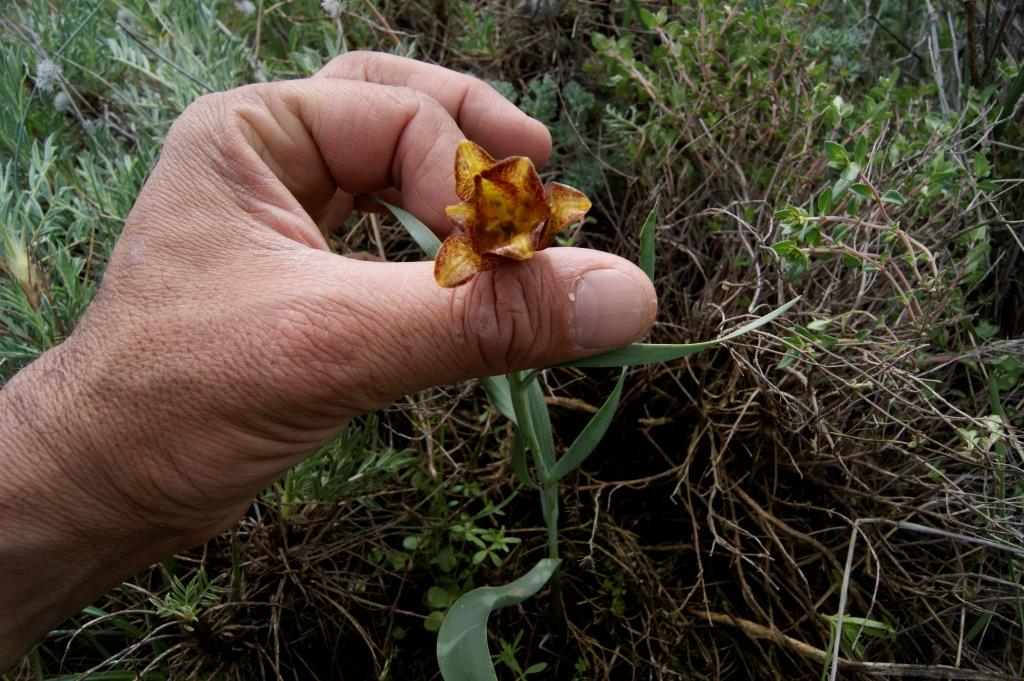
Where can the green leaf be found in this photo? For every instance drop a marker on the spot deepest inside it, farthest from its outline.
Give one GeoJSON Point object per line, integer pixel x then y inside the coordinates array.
{"type": "Point", "coordinates": [825, 201]}
{"type": "Point", "coordinates": [438, 598]}
{"type": "Point", "coordinates": [836, 155]}
{"type": "Point", "coordinates": [861, 190]}
{"type": "Point", "coordinates": [647, 244]}
{"type": "Point", "coordinates": [787, 359]}
{"type": "Point", "coordinates": [433, 621]}
{"type": "Point", "coordinates": [648, 18]}
{"type": "Point", "coordinates": [462, 651]}
{"type": "Point", "coordinates": [498, 393]}
{"type": "Point", "coordinates": [541, 420]}
{"type": "Point", "coordinates": [420, 233]}
{"type": "Point", "coordinates": [1013, 96]}
{"type": "Point", "coordinates": [982, 167]}
{"type": "Point", "coordinates": [647, 353]}
{"type": "Point", "coordinates": [591, 435]}
{"type": "Point", "coordinates": [122, 624]}
{"type": "Point", "coordinates": [860, 151]}
{"type": "Point", "coordinates": [894, 197]}
{"type": "Point", "coordinates": [785, 248]}
{"type": "Point", "coordinates": [519, 460]}
{"type": "Point", "coordinates": [985, 329]}
{"type": "Point", "coordinates": [870, 627]}
{"type": "Point", "coordinates": [839, 189]}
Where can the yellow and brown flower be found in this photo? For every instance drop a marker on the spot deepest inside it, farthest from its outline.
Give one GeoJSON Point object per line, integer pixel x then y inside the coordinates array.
{"type": "Point", "coordinates": [505, 214]}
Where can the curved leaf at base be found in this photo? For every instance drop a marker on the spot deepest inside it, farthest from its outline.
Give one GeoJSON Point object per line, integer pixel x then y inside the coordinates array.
{"type": "Point", "coordinates": [462, 651]}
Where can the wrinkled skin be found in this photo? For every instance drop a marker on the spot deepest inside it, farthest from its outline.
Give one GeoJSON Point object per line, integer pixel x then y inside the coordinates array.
{"type": "Point", "coordinates": [227, 342]}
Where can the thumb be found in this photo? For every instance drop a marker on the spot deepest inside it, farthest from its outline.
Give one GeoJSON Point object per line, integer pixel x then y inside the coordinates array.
{"type": "Point", "coordinates": [563, 304]}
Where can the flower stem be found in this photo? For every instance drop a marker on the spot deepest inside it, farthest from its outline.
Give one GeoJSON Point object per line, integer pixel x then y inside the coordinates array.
{"type": "Point", "coordinates": [549, 485]}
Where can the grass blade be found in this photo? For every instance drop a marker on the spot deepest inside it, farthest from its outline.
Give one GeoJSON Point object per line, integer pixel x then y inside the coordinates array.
{"type": "Point", "coordinates": [462, 651]}
{"type": "Point", "coordinates": [119, 622]}
{"type": "Point", "coordinates": [649, 353]}
{"type": "Point", "coordinates": [591, 435]}
{"type": "Point", "coordinates": [420, 233]}
{"type": "Point", "coordinates": [647, 243]}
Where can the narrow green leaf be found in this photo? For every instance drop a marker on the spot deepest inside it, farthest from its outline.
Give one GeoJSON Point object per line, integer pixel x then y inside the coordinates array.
{"type": "Point", "coordinates": [519, 460]}
{"type": "Point", "coordinates": [591, 435]}
{"type": "Point", "coordinates": [462, 651]}
{"type": "Point", "coordinates": [979, 626]}
{"type": "Point", "coordinates": [647, 353]}
{"type": "Point", "coordinates": [647, 243]}
{"type": "Point", "coordinates": [870, 627]}
{"type": "Point", "coordinates": [498, 393]}
{"type": "Point", "coordinates": [119, 622]}
{"type": "Point", "coordinates": [419, 232]}
{"type": "Point", "coordinates": [541, 420]}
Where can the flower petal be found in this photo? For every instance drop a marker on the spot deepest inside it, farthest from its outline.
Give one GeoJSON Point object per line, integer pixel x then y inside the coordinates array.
{"type": "Point", "coordinates": [519, 247]}
{"type": "Point", "coordinates": [470, 161]}
{"type": "Point", "coordinates": [568, 206]}
{"type": "Point", "coordinates": [511, 206]}
{"type": "Point", "coordinates": [462, 215]}
{"type": "Point", "coordinates": [456, 263]}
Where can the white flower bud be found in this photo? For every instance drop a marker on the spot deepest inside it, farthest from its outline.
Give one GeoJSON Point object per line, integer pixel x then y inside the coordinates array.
{"type": "Point", "coordinates": [62, 101]}
{"type": "Point", "coordinates": [47, 75]}
{"type": "Point", "coordinates": [332, 7]}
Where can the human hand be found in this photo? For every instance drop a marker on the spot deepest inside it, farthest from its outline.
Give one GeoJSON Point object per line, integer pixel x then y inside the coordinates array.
{"type": "Point", "coordinates": [227, 342]}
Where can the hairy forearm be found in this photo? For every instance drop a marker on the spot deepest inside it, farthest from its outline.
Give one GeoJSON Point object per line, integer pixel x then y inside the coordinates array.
{"type": "Point", "coordinates": [61, 545]}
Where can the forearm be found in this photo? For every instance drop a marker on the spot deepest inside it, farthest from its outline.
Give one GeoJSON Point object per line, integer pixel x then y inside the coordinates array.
{"type": "Point", "coordinates": [59, 548]}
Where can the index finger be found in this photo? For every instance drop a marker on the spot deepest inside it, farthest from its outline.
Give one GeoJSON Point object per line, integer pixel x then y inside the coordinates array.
{"type": "Point", "coordinates": [479, 110]}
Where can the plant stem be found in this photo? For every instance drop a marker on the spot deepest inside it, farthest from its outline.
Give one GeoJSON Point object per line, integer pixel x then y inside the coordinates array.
{"type": "Point", "coordinates": [549, 486]}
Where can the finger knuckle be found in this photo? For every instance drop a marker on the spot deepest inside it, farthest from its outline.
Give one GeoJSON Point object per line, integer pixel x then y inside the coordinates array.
{"type": "Point", "coordinates": [355, 64]}
{"type": "Point", "coordinates": [502, 321]}
{"type": "Point", "coordinates": [195, 122]}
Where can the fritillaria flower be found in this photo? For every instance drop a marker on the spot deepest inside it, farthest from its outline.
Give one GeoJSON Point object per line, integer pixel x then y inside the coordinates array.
{"type": "Point", "coordinates": [506, 214]}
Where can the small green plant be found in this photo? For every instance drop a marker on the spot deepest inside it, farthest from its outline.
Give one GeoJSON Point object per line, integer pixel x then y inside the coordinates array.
{"type": "Point", "coordinates": [851, 635]}
{"type": "Point", "coordinates": [462, 650]}
{"type": "Point", "coordinates": [344, 469]}
{"type": "Point", "coordinates": [186, 600]}
{"type": "Point", "coordinates": [507, 656]}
